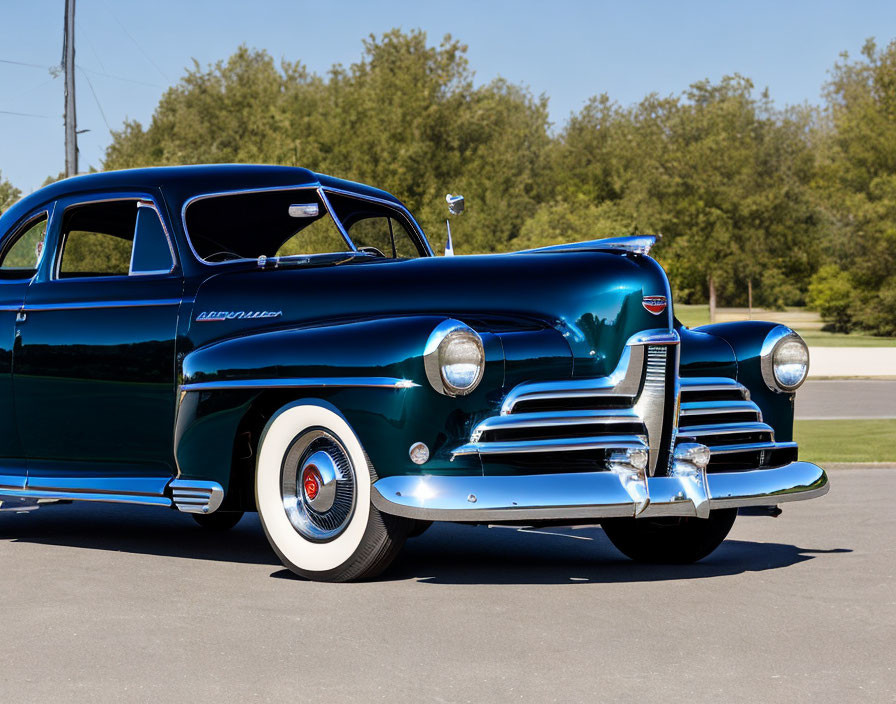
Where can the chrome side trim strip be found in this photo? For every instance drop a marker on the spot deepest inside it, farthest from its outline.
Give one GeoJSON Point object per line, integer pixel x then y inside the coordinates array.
{"type": "Point", "coordinates": [600, 442]}
{"type": "Point", "coordinates": [16, 482]}
{"type": "Point", "coordinates": [79, 305]}
{"type": "Point", "coordinates": [300, 383]}
{"type": "Point", "coordinates": [195, 496]}
{"type": "Point", "coordinates": [585, 496]}
{"type": "Point", "coordinates": [74, 495]}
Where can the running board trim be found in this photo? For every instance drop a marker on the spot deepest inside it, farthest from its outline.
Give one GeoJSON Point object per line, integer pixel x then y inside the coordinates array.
{"type": "Point", "coordinates": [194, 496]}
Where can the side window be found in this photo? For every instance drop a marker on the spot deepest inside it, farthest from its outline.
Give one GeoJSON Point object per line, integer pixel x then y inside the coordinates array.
{"type": "Point", "coordinates": [386, 234]}
{"type": "Point", "coordinates": [151, 253]}
{"type": "Point", "coordinates": [21, 258]}
{"type": "Point", "coordinates": [371, 224]}
{"type": "Point", "coordinates": [112, 238]}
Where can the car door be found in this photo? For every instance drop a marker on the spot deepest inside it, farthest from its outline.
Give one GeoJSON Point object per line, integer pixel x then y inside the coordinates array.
{"type": "Point", "coordinates": [95, 349]}
{"type": "Point", "coordinates": [20, 254]}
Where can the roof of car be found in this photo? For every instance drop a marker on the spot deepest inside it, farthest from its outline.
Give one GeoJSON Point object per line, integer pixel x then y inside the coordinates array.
{"type": "Point", "coordinates": [183, 182]}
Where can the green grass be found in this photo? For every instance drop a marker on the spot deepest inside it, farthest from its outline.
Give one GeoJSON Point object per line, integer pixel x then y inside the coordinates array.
{"type": "Point", "coordinates": [807, 323]}
{"type": "Point", "coordinates": [871, 440]}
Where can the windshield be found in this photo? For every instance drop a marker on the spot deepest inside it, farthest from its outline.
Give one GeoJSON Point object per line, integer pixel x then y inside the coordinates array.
{"type": "Point", "coordinates": [295, 222]}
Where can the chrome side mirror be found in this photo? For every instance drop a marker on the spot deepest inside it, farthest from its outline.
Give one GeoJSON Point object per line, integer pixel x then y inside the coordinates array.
{"type": "Point", "coordinates": [455, 203]}
{"type": "Point", "coordinates": [455, 207]}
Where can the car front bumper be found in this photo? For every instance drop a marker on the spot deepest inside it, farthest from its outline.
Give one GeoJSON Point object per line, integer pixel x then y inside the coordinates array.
{"type": "Point", "coordinates": [593, 495]}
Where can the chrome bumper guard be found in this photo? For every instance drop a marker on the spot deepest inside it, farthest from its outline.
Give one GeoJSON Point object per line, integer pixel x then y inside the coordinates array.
{"type": "Point", "coordinates": [593, 495]}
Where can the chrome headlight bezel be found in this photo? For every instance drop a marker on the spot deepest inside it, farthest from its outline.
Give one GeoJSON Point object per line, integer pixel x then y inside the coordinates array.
{"type": "Point", "coordinates": [774, 341]}
{"type": "Point", "coordinates": [444, 334]}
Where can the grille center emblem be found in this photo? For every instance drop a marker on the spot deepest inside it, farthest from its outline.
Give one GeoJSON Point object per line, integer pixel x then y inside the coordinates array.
{"type": "Point", "coordinates": [654, 304]}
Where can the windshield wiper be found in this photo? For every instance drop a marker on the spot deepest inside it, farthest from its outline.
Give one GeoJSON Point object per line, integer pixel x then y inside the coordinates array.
{"type": "Point", "coordinates": [302, 260]}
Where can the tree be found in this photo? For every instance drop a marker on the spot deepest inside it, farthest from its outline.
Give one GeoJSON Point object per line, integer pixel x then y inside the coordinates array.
{"type": "Point", "coordinates": [9, 194]}
{"type": "Point", "coordinates": [405, 117]}
{"type": "Point", "coordinates": [857, 182]}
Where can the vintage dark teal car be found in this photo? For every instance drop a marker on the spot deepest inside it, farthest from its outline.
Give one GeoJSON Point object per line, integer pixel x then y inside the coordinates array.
{"type": "Point", "coordinates": [222, 339]}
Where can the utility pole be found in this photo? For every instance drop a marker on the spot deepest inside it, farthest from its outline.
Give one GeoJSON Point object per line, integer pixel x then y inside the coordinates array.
{"type": "Point", "coordinates": [68, 63]}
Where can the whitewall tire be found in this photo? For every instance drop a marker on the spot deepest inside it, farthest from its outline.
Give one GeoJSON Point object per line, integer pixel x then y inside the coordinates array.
{"type": "Point", "coordinates": [312, 487]}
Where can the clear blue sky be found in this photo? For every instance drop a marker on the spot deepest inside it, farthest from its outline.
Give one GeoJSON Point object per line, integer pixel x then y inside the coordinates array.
{"type": "Point", "coordinates": [568, 50]}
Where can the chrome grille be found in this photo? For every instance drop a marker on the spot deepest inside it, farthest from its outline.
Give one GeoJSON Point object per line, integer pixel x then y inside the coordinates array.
{"type": "Point", "coordinates": [718, 412]}
{"type": "Point", "coordinates": [624, 410]}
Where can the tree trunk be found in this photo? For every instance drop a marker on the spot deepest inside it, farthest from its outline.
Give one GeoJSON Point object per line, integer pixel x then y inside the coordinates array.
{"type": "Point", "coordinates": [750, 299]}
{"type": "Point", "coordinates": [712, 299]}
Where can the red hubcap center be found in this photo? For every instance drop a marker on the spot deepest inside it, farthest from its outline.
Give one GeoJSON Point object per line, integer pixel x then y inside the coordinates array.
{"type": "Point", "coordinates": [311, 481]}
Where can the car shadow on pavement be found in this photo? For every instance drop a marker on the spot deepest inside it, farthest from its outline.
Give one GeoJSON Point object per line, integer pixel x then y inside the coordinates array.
{"type": "Point", "coordinates": [454, 555]}
{"type": "Point", "coordinates": [446, 554]}
{"type": "Point", "coordinates": [140, 530]}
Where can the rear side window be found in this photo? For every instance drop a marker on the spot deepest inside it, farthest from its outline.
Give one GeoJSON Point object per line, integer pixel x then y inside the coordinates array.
{"type": "Point", "coordinates": [22, 256]}
{"type": "Point", "coordinates": [113, 238]}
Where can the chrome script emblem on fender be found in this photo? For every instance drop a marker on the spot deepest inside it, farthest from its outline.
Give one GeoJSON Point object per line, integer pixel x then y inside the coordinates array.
{"type": "Point", "coordinates": [216, 316]}
{"type": "Point", "coordinates": [654, 304]}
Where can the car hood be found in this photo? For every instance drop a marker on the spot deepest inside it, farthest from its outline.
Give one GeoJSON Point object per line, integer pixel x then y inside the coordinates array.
{"type": "Point", "coordinates": [593, 299]}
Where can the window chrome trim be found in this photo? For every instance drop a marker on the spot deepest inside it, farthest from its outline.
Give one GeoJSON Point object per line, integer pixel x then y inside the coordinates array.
{"type": "Point", "coordinates": [19, 229]}
{"type": "Point", "coordinates": [152, 206]}
{"type": "Point", "coordinates": [60, 245]}
{"type": "Point", "coordinates": [244, 191]}
{"type": "Point", "coordinates": [300, 383]}
{"type": "Point", "coordinates": [415, 226]}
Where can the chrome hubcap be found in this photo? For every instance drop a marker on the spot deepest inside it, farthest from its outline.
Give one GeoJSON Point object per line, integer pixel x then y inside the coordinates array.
{"type": "Point", "coordinates": [318, 485]}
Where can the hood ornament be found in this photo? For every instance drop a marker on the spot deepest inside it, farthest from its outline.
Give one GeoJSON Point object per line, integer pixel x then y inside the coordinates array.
{"type": "Point", "coordinates": [654, 304]}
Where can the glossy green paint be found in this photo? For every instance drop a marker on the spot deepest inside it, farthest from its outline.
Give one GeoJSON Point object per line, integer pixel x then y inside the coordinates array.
{"type": "Point", "coordinates": [745, 339]}
{"type": "Point", "coordinates": [102, 361]}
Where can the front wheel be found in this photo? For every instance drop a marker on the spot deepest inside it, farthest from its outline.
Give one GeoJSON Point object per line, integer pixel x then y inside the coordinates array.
{"type": "Point", "coordinates": [312, 488]}
{"type": "Point", "coordinates": [670, 540]}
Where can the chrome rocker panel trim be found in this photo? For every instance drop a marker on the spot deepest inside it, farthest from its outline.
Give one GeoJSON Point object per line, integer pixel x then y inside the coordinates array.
{"type": "Point", "coordinates": [194, 496]}
{"type": "Point", "coordinates": [588, 496]}
{"type": "Point", "coordinates": [187, 495]}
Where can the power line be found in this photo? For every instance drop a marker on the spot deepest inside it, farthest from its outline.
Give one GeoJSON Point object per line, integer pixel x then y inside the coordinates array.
{"type": "Point", "coordinates": [26, 114]}
{"type": "Point", "coordinates": [118, 78]}
{"type": "Point", "coordinates": [96, 98]}
{"type": "Point", "coordinates": [136, 44]}
{"type": "Point", "coordinates": [24, 63]}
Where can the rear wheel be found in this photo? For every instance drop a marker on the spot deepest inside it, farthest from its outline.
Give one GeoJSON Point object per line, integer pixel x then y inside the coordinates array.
{"type": "Point", "coordinates": [670, 540]}
{"type": "Point", "coordinates": [312, 487]}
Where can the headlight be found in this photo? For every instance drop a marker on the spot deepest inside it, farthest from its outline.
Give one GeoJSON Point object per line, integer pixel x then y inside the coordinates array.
{"type": "Point", "coordinates": [784, 360]}
{"type": "Point", "coordinates": [454, 358]}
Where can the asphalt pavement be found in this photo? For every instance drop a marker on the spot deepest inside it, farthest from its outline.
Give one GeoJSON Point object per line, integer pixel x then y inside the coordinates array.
{"type": "Point", "coordinates": [119, 604]}
{"type": "Point", "coordinates": [853, 398]}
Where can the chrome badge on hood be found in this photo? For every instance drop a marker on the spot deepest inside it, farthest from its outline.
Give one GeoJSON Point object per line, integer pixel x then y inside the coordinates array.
{"type": "Point", "coordinates": [220, 315]}
{"type": "Point", "coordinates": [654, 304]}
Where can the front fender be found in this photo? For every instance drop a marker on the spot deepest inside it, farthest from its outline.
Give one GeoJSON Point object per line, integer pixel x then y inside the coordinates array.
{"type": "Point", "coordinates": [371, 370]}
{"type": "Point", "coordinates": [746, 338]}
